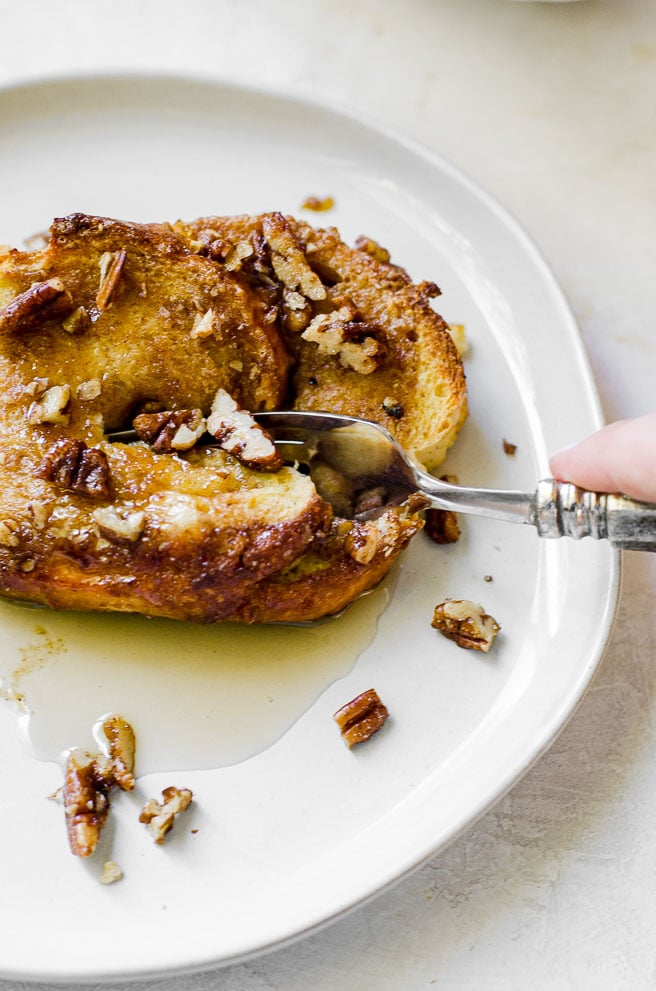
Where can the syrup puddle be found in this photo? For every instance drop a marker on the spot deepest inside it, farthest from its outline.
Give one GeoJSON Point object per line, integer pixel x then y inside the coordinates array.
{"type": "Point", "coordinates": [197, 697]}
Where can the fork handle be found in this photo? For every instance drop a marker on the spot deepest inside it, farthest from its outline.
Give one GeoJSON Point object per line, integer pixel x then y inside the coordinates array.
{"type": "Point", "coordinates": [556, 509]}
{"type": "Point", "coordinates": [564, 510]}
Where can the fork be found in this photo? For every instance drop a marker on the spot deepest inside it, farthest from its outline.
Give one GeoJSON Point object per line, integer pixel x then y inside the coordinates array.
{"type": "Point", "coordinates": [370, 460]}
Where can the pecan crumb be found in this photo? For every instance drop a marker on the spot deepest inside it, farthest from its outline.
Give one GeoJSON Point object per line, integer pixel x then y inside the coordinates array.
{"type": "Point", "coordinates": [159, 817]}
{"type": "Point", "coordinates": [72, 465]}
{"type": "Point", "coordinates": [170, 430]}
{"type": "Point", "coordinates": [466, 623]}
{"type": "Point", "coordinates": [87, 391]}
{"type": "Point", "coordinates": [120, 525]}
{"type": "Point", "coordinates": [363, 543]}
{"type": "Point", "coordinates": [112, 264]}
{"type": "Point", "coordinates": [343, 334]}
{"type": "Point", "coordinates": [86, 804]}
{"type": "Point", "coordinates": [37, 387]}
{"type": "Point", "coordinates": [508, 448]}
{"type": "Point", "coordinates": [318, 203]}
{"type": "Point", "coordinates": [204, 325]}
{"type": "Point", "coordinates": [111, 872]}
{"type": "Point", "coordinates": [442, 526]}
{"type": "Point", "coordinates": [42, 301]}
{"type": "Point", "coordinates": [360, 718]}
{"type": "Point", "coordinates": [288, 259]}
{"type": "Point", "coordinates": [392, 408]}
{"type": "Point", "coordinates": [78, 320]}
{"type": "Point", "coordinates": [51, 407]}
{"type": "Point", "coordinates": [239, 434]}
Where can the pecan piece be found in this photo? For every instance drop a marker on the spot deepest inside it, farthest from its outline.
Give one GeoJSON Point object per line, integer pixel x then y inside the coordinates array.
{"type": "Point", "coordinates": [160, 816]}
{"type": "Point", "coordinates": [344, 334]}
{"type": "Point", "coordinates": [86, 804]}
{"type": "Point", "coordinates": [51, 407]}
{"type": "Point", "coordinates": [392, 408]}
{"type": "Point", "coordinates": [88, 779]}
{"type": "Point", "coordinates": [112, 264]}
{"type": "Point", "coordinates": [171, 430]}
{"type": "Point", "coordinates": [112, 872]}
{"type": "Point", "coordinates": [466, 623]}
{"type": "Point", "coordinates": [119, 524]}
{"type": "Point", "coordinates": [363, 543]}
{"type": "Point", "coordinates": [442, 526]}
{"type": "Point", "coordinates": [318, 203]}
{"type": "Point", "coordinates": [360, 718]}
{"type": "Point", "coordinates": [508, 448]}
{"type": "Point", "coordinates": [42, 301]}
{"type": "Point", "coordinates": [239, 434]}
{"type": "Point", "coordinates": [72, 465]}
{"type": "Point", "coordinates": [288, 259]}
{"type": "Point", "coordinates": [117, 765]}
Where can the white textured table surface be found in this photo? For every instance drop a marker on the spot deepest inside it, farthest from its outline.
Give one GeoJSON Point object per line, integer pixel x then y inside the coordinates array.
{"type": "Point", "coordinates": [553, 109]}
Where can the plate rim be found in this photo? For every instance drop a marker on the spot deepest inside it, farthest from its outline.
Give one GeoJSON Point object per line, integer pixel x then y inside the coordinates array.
{"type": "Point", "coordinates": [567, 708]}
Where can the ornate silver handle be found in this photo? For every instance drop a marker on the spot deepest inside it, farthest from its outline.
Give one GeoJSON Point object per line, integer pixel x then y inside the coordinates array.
{"type": "Point", "coordinates": [555, 509]}
{"type": "Point", "coordinates": [564, 510]}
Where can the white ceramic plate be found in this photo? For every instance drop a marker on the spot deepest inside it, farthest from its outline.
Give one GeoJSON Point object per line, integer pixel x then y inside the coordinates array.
{"type": "Point", "coordinates": [305, 829]}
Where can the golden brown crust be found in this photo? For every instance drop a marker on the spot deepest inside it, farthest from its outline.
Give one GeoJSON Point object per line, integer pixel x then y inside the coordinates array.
{"type": "Point", "coordinates": [156, 319]}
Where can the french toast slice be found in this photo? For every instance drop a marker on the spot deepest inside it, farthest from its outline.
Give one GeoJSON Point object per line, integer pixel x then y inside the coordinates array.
{"type": "Point", "coordinates": [113, 321]}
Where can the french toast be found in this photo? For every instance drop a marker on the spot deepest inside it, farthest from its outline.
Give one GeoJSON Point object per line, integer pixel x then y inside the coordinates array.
{"type": "Point", "coordinates": [172, 328]}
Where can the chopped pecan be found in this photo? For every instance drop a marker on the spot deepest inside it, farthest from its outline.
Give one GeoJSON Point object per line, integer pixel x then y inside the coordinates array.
{"type": "Point", "coordinates": [116, 766]}
{"type": "Point", "coordinates": [51, 407]}
{"type": "Point", "coordinates": [172, 430]}
{"type": "Point", "coordinates": [86, 803]}
{"type": "Point", "coordinates": [508, 448]}
{"type": "Point", "coordinates": [111, 872]}
{"type": "Point", "coordinates": [72, 465]}
{"type": "Point", "coordinates": [42, 301]}
{"type": "Point", "coordinates": [370, 500]}
{"type": "Point", "coordinates": [112, 264]}
{"type": "Point", "coordinates": [466, 623]}
{"type": "Point", "coordinates": [120, 525]}
{"type": "Point", "coordinates": [237, 254]}
{"type": "Point", "coordinates": [442, 526]}
{"type": "Point", "coordinates": [88, 779]}
{"type": "Point", "coordinates": [239, 434]}
{"type": "Point", "coordinates": [297, 310]}
{"type": "Point", "coordinates": [78, 320]}
{"type": "Point", "coordinates": [360, 718]}
{"type": "Point", "coordinates": [204, 325]}
{"type": "Point", "coordinates": [288, 259]}
{"type": "Point", "coordinates": [363, 543]}
{"type": "Point", "coordinates": [392, 408]}
{"type": "Point", "coordinates": [373, 248]}
{"type": "Point", "coordinates": [318, 203]}
{"type": "Point", "coordinates": [89, 390]}
{"type": "Point", "coordinates": [351, 339]}
{"type": "Point", "coordinates": [37, 387]}
{"type": "Point", "coordinates": [160, 816]}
